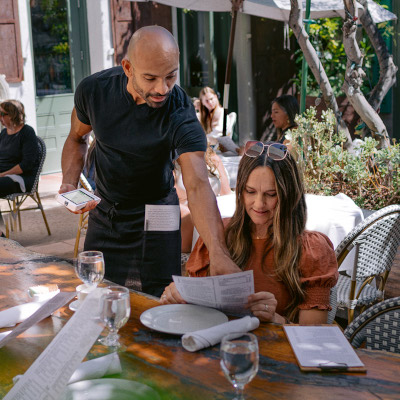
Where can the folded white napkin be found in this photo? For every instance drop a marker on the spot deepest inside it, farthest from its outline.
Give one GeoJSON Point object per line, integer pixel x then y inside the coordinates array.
{"type": "Point", "coordinates": [93, 369]}
{"type": "Point", "coordinates": [17, 314]}
{"type": "Point", "coordinates": [194, 341]}
{"type": "Point", "coordinates": [97, 368]}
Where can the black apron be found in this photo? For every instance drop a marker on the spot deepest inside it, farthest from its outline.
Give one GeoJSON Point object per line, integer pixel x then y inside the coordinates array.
{"type": "Point", "coordinates": [141, 260]}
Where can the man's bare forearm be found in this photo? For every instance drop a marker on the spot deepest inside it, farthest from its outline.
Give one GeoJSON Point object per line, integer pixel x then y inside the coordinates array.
{"type": "Point", "coordinates": [73, 156]}
{"type": "Point", "coordinates": [207, 219]}
{"type": "Point", "coordinates": [205, 213]}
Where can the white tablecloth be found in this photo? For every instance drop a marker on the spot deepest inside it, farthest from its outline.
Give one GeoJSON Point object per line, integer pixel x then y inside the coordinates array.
{"type": "Point", "coordinates": [335, 216]}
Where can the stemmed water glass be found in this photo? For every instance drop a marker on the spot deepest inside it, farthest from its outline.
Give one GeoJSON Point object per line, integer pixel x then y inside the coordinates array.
{"type": "Point", "coordinates": [239, 360]}
{"type": "Point", "coordinates": [90, 267]}
{"type": "Point", "coordinates": [115, 309]}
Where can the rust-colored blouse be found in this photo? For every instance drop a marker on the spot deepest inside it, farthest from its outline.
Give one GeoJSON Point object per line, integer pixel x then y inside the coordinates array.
{"type": "Point", "coordinates": [318, 270]}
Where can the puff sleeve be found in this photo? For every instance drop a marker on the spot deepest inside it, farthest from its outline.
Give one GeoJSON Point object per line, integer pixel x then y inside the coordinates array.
{"type": "Point", "coordinates": [199, 260]}
{"type": "Point", "coordinates": [319, 270]}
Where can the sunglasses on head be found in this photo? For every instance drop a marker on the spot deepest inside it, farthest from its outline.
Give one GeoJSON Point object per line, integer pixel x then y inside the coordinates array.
{"type": "Point", "coordinates": [3, 113]}
{"type": "Point", "coordinates": [276, 151]}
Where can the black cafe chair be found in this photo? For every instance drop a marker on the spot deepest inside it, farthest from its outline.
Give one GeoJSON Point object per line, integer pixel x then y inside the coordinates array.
{"type": "Point", "coordinates": [16, 200]}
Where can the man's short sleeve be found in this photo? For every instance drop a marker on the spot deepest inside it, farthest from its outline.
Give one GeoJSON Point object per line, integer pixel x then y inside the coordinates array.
{"type": "Point", "coordinates": [81, 101]}
{"type": "Point", "coordinates": [189, 135]}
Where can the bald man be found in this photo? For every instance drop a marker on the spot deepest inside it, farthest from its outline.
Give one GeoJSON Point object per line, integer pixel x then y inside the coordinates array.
{"type": "Point", "coordinates": [142, 121]}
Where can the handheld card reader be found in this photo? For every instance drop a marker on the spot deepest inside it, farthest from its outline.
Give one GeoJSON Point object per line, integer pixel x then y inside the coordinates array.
{"type": "Point", "coordinates": [76, 199]}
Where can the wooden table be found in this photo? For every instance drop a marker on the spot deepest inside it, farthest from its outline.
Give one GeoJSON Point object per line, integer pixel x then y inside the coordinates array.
{"type": "Point", "coordinates": [159, 360]}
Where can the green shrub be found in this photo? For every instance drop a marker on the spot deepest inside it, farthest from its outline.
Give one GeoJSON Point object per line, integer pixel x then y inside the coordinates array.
{"type": "Point", "coordinates": [370, 176]}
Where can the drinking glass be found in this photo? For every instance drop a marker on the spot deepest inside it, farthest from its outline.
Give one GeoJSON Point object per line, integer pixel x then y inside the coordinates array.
{"type": "Point", "coordinates": [115, 308]}
{"type": "Point", "coordinates": [239, 360]}
{"type": "Point", "coordinates": [90, 267]}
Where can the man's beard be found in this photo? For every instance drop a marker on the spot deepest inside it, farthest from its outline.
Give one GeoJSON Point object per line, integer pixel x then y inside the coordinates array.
{"type": "Point", "coordinates": [146, 96]}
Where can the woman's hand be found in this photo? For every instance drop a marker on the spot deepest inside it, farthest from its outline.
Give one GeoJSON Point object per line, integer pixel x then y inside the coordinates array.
{"type": "Point", "coordinates": [263, 306]}
{"type": "Point", "coordinates": [171, 295]}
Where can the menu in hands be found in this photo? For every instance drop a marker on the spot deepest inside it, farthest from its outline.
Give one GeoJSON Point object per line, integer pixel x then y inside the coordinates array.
{"type": "Point", "coordinates": [322, 348]}
{"type": "Point", "coordinates": [225, 292]}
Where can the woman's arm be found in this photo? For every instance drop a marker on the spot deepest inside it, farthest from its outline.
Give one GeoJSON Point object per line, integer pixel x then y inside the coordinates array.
{"type": "Point", "coordinates": [263, 306]}
{"type": "Point", "coordinates": [13, 171]}
{"type": "Point", "coordinates": [313, 317]}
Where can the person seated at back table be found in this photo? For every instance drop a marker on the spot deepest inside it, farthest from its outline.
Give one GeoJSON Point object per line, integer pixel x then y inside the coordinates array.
{"type": "Point", "coordinates": [219, 182]}
{"type": "Point", "coordinates": [211, 115]}
{"type": "Point", "coordinates": [294, 269]}
{"type": "Point", "coordinates": [283, 112]}
{"type": "Point", "coordinates": [19, 151]}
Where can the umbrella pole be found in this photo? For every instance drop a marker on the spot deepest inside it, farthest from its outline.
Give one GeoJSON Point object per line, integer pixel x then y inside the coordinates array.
{"type": "Point", "coordinates": [304, 66]}
{"type": "Point", "coordinates": [235, 8]}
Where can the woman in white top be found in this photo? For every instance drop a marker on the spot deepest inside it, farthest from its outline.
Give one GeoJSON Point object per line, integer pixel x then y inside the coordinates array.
{"type": "Point", "coordinates": [211, 114]}
{"type": "Point", "coordinates": [219, 182]}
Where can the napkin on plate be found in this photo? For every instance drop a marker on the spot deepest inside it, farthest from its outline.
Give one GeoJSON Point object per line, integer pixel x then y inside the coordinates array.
{"type": "Point", "coordinates": [93, 369]}
{"type": "Point", "coordinates": [194, 341]}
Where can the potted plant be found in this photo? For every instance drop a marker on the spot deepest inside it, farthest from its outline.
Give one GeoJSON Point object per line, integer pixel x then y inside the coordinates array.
{"type": "Point", "coordinates": [368, 175]}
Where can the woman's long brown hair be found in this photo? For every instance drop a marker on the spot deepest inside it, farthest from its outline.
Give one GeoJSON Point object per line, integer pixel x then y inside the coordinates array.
{"type": "Point", "coordinates": [286, 230]}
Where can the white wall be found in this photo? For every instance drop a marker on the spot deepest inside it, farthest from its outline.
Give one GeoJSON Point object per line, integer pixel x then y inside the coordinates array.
{"type": "Point", "coordinates": [25, 91]}
{"type": "Point", "coordinates": [100, 35]}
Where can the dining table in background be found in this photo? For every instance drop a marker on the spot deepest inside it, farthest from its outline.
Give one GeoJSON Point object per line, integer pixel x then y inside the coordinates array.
{"type": "Point", "coordinates": [158, 359]}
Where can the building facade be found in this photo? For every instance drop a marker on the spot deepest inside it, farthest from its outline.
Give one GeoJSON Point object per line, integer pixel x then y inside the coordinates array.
{"type": "Point", "coordinates": [48, 46]}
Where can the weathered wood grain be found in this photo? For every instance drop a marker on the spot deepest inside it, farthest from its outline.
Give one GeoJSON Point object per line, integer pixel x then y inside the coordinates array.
{"type": "Point", "coordinates": [159, 360]}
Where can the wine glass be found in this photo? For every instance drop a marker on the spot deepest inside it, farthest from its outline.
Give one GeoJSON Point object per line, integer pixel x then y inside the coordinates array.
{"type": "Point", "coordinates": [90, 267]}
{"type": "Point", "coordinates": [115, 308]}
{"type": "Point", "coordinates": [239, 360]}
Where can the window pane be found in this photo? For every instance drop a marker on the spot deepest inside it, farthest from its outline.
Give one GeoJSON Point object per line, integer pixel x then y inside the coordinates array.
{"type": "Point", "coordinates": [51, 47]}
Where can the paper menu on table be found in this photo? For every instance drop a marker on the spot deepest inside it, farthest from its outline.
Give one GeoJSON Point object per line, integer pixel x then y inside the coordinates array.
{"type": "Point", "coordinates": [322, 348]}
{"type": "Point", "coordinates": [225, 292]}
{"type": "Point", "coordinates": [48, 376]}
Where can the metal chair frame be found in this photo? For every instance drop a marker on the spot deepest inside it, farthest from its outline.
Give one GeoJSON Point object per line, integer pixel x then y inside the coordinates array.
{"type": "Point", "coordinates": [374, 254]}
{"type": "Point", "coordinates": [16, 200]}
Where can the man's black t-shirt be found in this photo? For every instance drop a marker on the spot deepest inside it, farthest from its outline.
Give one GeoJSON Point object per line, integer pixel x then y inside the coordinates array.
{"type": "Point", "coordinates": [135, 144]}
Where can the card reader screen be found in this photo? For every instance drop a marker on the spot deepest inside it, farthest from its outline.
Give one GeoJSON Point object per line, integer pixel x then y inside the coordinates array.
{"type": "Point", "coordinates": [78, 197]}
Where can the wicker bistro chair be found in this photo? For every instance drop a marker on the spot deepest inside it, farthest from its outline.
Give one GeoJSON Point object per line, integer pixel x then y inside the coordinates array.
{"type": "Point", "coordinates": [83, 218]}
{"type": "Point", "coordinates": [378, 327]}
{"type": "Point", "coordinates": [376, 240]}
{"type": "Point", "coordinates": [16, 200]}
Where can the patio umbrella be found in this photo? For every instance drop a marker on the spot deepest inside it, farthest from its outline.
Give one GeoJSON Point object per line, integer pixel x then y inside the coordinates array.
{"type": "Point", "coordinates": [272, 9]}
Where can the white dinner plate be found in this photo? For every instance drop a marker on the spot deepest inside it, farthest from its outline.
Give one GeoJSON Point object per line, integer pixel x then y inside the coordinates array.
{"type": "Point", "coordinates": [109, 389]}
{"type": "Point", "coordinates": [179, 319]}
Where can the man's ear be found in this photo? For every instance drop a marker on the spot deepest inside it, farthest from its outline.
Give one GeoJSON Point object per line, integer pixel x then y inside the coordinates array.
{"type": "Point", "coordinates": [127, 66]}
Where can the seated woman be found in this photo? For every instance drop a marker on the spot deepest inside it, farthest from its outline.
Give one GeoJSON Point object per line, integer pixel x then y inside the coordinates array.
{"type": "Point", "coordinates": [283, 112]}
{"type": "Point", "coordinates": [19, 151]}
{"type": "Point", "coordinates": [211, 115]}
{"type": "Point", "coordinates": [219, 182]}
{"type": "Point", "coordinates": [294, 269]}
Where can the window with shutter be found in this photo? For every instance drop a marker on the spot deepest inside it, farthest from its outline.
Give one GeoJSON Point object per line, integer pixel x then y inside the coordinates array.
{"type": "Point", "coordinates": [11, 63]}
{"type": "Point", "coordinates": [127, 17]}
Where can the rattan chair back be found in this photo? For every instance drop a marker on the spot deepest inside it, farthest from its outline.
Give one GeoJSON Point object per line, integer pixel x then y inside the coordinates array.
{"type": "Point", "coordinates": [378, 327]}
